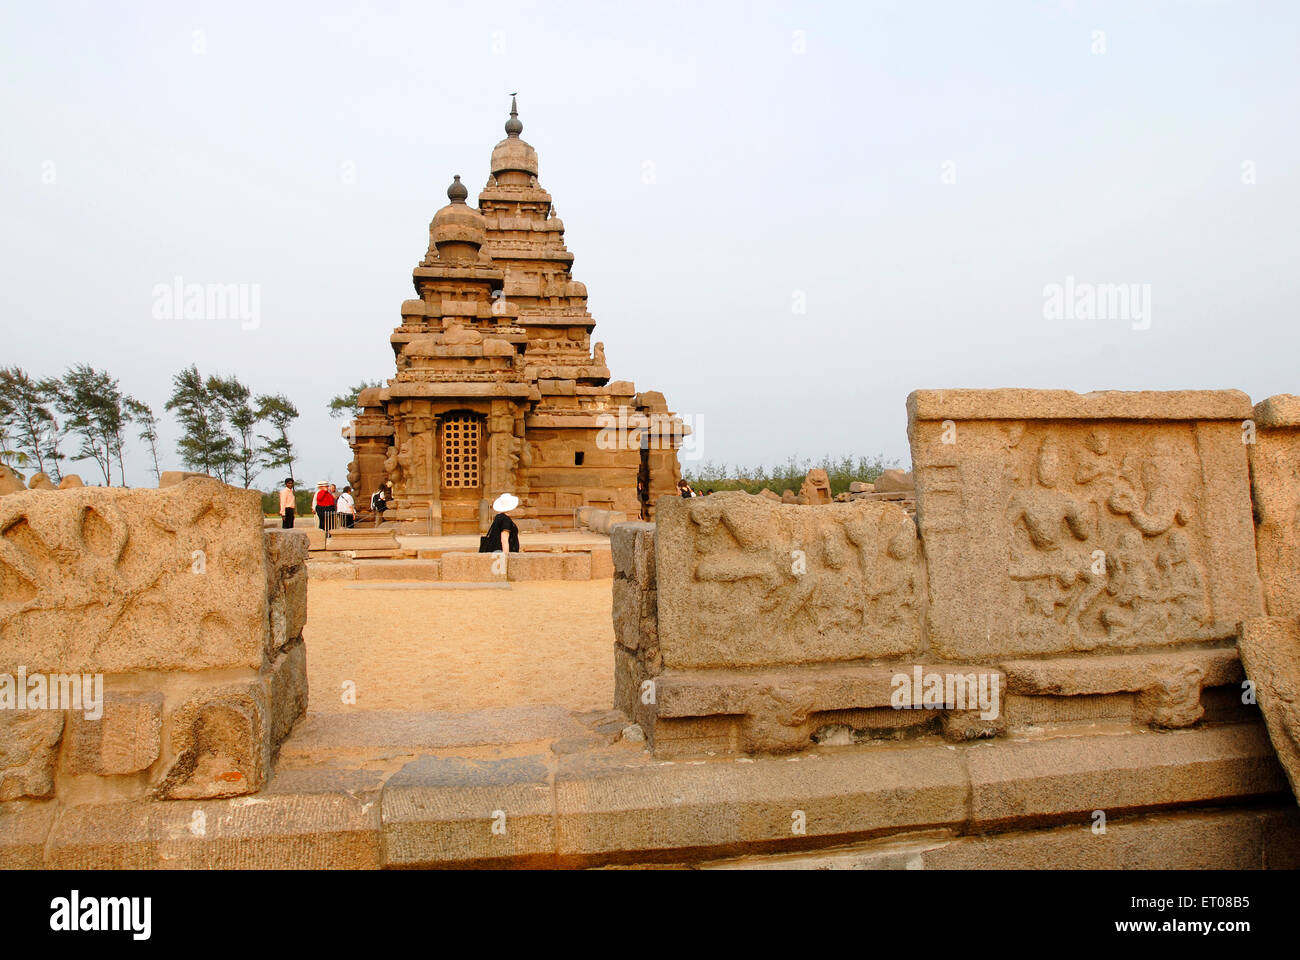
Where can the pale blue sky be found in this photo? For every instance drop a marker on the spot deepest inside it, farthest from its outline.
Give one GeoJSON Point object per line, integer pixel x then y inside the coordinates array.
{"type": "Point", "coordinates": [775, 172]}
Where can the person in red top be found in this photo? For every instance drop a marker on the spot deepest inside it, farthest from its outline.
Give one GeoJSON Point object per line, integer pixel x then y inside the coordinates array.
{"type": "Point", "coordinates": [325, 507]}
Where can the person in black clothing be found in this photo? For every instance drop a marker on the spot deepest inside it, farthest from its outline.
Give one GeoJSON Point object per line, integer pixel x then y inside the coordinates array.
{"type": "Point", "coordinates": [503, 535]}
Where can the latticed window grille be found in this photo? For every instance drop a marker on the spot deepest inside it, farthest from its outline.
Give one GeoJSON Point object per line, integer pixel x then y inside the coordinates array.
{"type": "Point", "coordinates": [460, 436]}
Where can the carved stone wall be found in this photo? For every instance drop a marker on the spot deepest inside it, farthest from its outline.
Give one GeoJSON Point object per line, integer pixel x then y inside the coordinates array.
{"type": "Point", "coordinates": [747, 582]}
{"type": "Point", "coordinates": [1057, 522]}
{"type": "Point", "coordinates": [183, 615]}
{"type": "Point", "coordinates": [1086, 560]}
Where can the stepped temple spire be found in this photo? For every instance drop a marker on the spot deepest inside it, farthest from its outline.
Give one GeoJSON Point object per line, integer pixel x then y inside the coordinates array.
{"type": "Point", "coordinates": [499, 387]}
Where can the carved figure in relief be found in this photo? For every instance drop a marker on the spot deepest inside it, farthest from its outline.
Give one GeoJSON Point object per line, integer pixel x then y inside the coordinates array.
{"type": "Point", "coordinates": [753, 559]}
{"type": "Point", "coordinates": [1054, 524]}
{"type": "Point", "coordinates": [1159, 508]}
{"type": "Point", "coordinates": [1094, 460]}
{"type": "Point", "coordinates": [1184, 586]}
{"type": "Point", "coordinates": [598, 354]}
{"type": "Point", "coordinates": [1133, 587]}
{"type": "Point", "coordinates": [392, 465]}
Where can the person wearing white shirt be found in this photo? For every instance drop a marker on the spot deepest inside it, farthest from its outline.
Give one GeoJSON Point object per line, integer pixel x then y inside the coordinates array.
{"type": "Point", "coordinates": [347, 508]}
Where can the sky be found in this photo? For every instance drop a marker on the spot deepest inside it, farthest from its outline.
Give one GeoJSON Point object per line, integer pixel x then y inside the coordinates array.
{"type": "Point", "coordinates": [787, 216]}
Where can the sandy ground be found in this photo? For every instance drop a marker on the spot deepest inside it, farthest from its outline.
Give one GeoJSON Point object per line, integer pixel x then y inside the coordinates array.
{"type": "Point", "coordinates": [410, 649]}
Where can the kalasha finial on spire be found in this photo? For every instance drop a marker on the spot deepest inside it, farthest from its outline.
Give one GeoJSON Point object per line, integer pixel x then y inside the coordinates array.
{"type": "Point", "coordinates": [513, 126]}
{"type": "Point", "coordinates": [457, 192]}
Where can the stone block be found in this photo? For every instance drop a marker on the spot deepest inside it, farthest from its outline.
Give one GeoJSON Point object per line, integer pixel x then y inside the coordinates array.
{"type": "Point", "coordinates": [286, 549]}
{"type": "Point", "coordinates": [24, 827]}
{"type": "Point", "coordinates": [1168, 683]}
{"type": "Point", "coordinates": [780, 710]}
{"type": "Point", "coordinates": [220, 738]}
{"type": "Point", "coordinates": [1066, 778]}
{"type": "Point", "coordinates": [623, 546]}
{"type": "Point", "coordinates": [609, 808]}
{"type": "Point", "coordinates": [332, 571]}
{"type": "Point", "coordinates": [273, 831]}
{"type": "Point", "coordinates": [29, 744]}
{"type": "Point", "coordinates": [450, 811]}
{"type": "Point", "coordinates": [548, 566]}
{"type": "Point", "coordinates": [171, 478]}
{"type": "Point", "coordinates": [1275, 487]}
{"type": "Point", "coordinates": [287, 679]}
{"type": "Point", "coordinates": [126, 739]}
{"type": "Point", "coordinates": [111, 580]}
{"type": "Point", "coordinates": [1103, 522]}
{"type": "Point", "coordinates": [746, 582]}
{"type": "Point", "coordinates": [602, 562]}
{"type": "Point", "coordinates": [399, 569]}
{"type": "Point", "coordinates": [469, 567]}
{"type": "Point", "coordinates": [1270, 652]}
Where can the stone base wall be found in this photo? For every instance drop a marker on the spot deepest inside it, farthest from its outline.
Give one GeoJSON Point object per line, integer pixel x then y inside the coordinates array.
{"type": "Point", "coordinates": [1076, 561]}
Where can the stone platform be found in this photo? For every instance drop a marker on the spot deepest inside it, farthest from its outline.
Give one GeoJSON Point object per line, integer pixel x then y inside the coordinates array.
{"type": "Point", "coordinates": [540, 787]}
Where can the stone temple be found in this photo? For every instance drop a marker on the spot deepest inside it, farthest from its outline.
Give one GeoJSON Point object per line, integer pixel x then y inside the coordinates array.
{"type": "Point", "coordinates": [499, 387]}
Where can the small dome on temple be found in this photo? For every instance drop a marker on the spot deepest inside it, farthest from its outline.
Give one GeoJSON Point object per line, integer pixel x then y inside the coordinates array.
{"type": "Point", "coordinates": [458, 230]}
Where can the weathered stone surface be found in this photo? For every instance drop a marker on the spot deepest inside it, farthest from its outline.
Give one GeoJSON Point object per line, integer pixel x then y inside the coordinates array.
{"type": "Point", "coordinates": [272, 831]}
{"type": "Point", "coordinates": [346, 734]}
{"type": "Point", "coordinates": [399, 569]}
{"type": "Point", "coordinates": [126, 739]}
{"type": "Point", "coordinates": [288, 690]}
{"type": "Point", "coordinates": [861, 486]}
{"type": "Point", "coordinates": [70, 481]}
{"type": "Point", "coordinates": [171, 478]}
{"type": "Point", "coordinates": [816, 489]}
{"type": "Point", "coordinates": [602, 562]}
{"type": "Point", "coordinates": [1055, 522]}
{"type": "Point", "coordinates": [1270, 652]}
{"type": "Point", "coordinates": [470, 567]}
{"type": "Point", "coordinates": [1275, 487]}
{"type": "Point", "coordinates": [24, 826]}
{"type": "Point", "coordinates": [41, 481]}
{"type": "Point", "coordinates": [614, 809]}
{"type": "Point", "coordinates": [220, 739]}
{"type": "Point", "coordinates": [1075, 676]}
{"type": "Point", "coordinates": [444, 811]}
{"type": "Point", "coordinates": [548, 566]}
{"type": "Point", "coordinates": [10, 482]}
{"type": "Point", "coordinates": [1023, 404]}
{"type": "Point", "coordinates": [331, 571]}
{"type": "Point", "coordinates": [891, 481]}
{"type": "Point", "coordinates": [623, 545]}
{"type": "Point", "coordinates": [29, 743]}
{"type": "Point", "coordinates": [108, 580]}
{"type": "Point", "coordinates": [1168, 684]}
{"type": "Point", "coordinates": [745, 582]}
{"type": "Point", "coordinates": [780, 710]}
{"type": "Point", "coordinates": [1069, 777]}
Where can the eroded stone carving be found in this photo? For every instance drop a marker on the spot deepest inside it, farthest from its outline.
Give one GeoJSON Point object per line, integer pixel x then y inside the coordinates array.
{"type": "Point", "coordinates": [105, 580]}
{"type": "Point", "coordinates": [747, 581]}
{"type": "Point", "coordinates": [1058, 532]}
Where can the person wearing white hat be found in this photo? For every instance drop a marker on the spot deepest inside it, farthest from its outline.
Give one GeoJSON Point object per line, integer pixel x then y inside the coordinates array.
{"type": "Point", "coordinates": [503, 535]}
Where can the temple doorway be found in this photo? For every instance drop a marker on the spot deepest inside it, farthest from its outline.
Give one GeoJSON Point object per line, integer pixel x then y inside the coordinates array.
{"type": "Point", "coordinates": [461, 440]}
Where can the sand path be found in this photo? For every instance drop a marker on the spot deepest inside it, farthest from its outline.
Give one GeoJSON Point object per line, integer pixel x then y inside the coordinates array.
{"type": "Point", "coordinates": [416, 649]}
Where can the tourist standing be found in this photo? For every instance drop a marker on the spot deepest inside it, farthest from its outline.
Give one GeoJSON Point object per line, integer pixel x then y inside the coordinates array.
{"type": "Point", "coordinates": [287, 504]}
{"type": "Point", "coordinates": [503, 535]}
{"type": "Point", "coordinates": [324, 506]}
{"type": "Point", "coordinates": [347, 507]}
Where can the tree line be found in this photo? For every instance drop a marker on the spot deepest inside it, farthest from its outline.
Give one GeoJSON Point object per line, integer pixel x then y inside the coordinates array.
{"type": "Point", "coordinates": [226, 430]}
